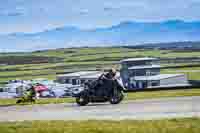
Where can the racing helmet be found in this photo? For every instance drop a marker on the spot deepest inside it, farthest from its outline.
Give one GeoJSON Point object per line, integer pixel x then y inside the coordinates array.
{"type": "Point", "coordinates": [113, 72]}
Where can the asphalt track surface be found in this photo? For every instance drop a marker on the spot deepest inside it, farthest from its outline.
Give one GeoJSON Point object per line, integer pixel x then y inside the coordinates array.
{"type": "Point", "coordinates": [137, 110]}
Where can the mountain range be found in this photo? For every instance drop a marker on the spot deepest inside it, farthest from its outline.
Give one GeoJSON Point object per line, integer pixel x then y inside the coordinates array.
{"type": "Point", "coordinates": [125, 33]}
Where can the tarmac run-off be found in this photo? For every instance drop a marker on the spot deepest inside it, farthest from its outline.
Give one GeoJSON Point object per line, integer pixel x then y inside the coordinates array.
{"type": "Point", "coordinates": [137, 110]}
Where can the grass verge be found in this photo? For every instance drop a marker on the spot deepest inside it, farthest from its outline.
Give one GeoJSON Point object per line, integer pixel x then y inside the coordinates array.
{"type": "Point", "coordinates": [185, 125]}
{"type": "Point", "coordinates": [128, 96]}
{"type": "Point", "coordinates": [9, 102]}
{"type": "Point", "coordinates": [162, 94]}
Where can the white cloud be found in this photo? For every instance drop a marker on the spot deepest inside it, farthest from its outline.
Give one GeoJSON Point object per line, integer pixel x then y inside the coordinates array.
{"type": "Point", "coordinates": [38, 15]}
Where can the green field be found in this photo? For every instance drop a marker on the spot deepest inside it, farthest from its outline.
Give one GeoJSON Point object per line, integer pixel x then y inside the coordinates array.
{"type": "Point", "coordinates": [128, 96]}
{"type": "Point", "coordinates": [10, 102]}
{"type": "Point", "coordinates": [184, 125]}
{"type": "Point", "coordinates": [76, 59]}
{"type": "Point", "coordinates": [193, 73]}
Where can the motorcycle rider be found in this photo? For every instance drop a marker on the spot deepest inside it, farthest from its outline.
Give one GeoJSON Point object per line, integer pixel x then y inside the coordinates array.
{"type": "Point", "coordinates": [31, 92]}
{"type": "Point", "coordinates": [111, 75]}
{"type": "Point", "coordinates": [28, 96]}
{"type": "Point", "coordinates": [107, 80]}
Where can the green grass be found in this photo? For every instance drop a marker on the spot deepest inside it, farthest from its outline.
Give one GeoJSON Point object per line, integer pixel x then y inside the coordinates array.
{"type": "Point", "coordinates": [184, 125]}
{"type": "Point", "coordinates": [8, 102]}
{"type": "Point", "coordinates": [33, 72]}
{"type": "Point", "coordinates": [128, 96]}
{"type": "Point", "coordinates": [193, 73]}
{"type": "Point", "coordinates": [162, 94]}
{"type": "Point", "coordinates": [30, 77]}
{"type": "Point", "coordinates": [77, 59]}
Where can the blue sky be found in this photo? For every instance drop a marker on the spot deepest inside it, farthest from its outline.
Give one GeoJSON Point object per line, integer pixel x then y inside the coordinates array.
{"type": "Point", "coordinates": [38, 15]}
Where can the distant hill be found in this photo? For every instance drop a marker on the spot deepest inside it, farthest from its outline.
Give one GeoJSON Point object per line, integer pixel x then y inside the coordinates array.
{"type": "Point", "coordinates": [125, 33]}
{"type": "Point", "coordinates": [187, 45]}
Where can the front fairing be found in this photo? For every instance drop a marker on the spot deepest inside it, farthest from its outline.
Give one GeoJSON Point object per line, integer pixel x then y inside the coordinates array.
{"type": "Point", "coordinates": [120, 84]}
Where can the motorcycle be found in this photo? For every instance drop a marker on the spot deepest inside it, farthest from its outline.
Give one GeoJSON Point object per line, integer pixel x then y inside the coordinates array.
{"type": "Point", "coordinates": [27, 97]}
{"type": "Point", "coordinates": [101, 90]}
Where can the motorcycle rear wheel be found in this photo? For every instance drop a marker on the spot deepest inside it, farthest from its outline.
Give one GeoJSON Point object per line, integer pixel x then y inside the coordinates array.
{"type": "Point", "coordinates": [82, 101]}
{"type": "Point", "coordinates": [19, 101]}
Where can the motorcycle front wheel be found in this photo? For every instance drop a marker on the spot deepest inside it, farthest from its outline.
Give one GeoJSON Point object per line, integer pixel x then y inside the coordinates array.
{"type": "Point", "coordinates": [117, 97]}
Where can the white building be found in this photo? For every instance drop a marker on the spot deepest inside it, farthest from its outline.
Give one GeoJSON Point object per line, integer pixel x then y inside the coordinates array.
{"type": "Point", "coordinates": [140, 73]}
{"type": "Point", "coordinates": [78, 78]}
